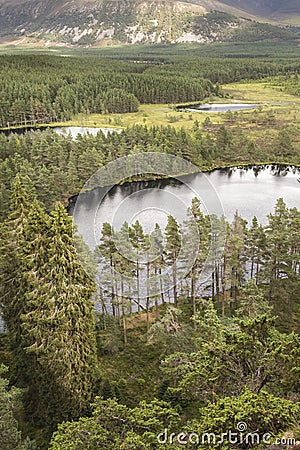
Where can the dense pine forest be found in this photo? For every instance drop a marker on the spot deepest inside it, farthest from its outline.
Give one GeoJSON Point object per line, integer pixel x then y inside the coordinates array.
{"type": "Point", "coordinates": [122, 363]}
{"type": "Point", "coordinates": [55, 89]}
{"type": "Point", "coordinates": [86, 86]}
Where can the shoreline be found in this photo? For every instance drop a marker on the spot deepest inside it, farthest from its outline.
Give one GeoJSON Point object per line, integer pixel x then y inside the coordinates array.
{"type": "Point", "coordinates": [204, 169]}
{"type": "Point", "coordinates": [71, 200]}
{"type": "Point", "coordinates": [43, 127]}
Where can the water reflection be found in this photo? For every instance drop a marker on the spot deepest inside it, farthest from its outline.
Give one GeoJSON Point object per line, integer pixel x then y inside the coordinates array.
{"type": "Point", "coordinates": [252, 191]}
{"type": "Point", "coordinates": [217, 107]}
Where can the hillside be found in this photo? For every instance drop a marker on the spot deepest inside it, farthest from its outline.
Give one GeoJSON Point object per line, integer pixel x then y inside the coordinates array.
{"type": "Point", "coordinates": [98, 23]}
{"type": "Point", "coordinates": [287, 11]}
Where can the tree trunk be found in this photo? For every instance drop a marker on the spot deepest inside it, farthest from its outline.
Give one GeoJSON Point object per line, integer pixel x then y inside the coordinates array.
{"type": "Point", "coordinates": [112, 289]}
{"type": "Point", "coordinates": [217, 275]}
{"type": "Point", "coordinates": [138, 287]}
{"type": "Point", "coordinates": [101, 297]}
{"type": "Point", "coordinates": [193, 293]}
{"type": "Point", "coordinates": [123, 313]}
{"type": "Point", "coordinates": [224, 288]}
{"type": "Point", "coordinates": [174, 280]}
{"type": "Point", "coordinates": [161, 286]}
{"type": "Point", "coordinates": [148, 297]}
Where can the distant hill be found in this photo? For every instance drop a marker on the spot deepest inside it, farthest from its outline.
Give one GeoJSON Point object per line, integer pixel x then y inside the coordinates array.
{"type": "Point", "coordinates": [282, 11]}
{"type": "Point", "coordinates": [102, 22]}
{"type": "Point", "coordinates": [278, 12]}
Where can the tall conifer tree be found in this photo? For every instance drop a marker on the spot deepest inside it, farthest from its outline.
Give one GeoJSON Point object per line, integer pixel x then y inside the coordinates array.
{"type": "Point", "coordinates": [58, 325]}
{"type": "Point", "coordinates": [12, 289]}
{"type": "Point", "coordinates": [172, 248]}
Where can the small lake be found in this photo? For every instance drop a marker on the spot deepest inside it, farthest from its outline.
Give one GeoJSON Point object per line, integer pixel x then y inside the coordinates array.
{"type": "Point", "coordinates": [218, 107]}
{"type": "Point", "coordinates": [250, 191]}
{"type": "Point", "coordinates": [65, 131]}
{"type": "Point", "coordinates": [75, 131]}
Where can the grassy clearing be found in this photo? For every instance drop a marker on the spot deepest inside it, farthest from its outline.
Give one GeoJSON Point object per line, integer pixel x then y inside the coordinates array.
{"type": "Point", "coordinates": [264, 92]}
{"type": "Point", "coordinates": [147, 115]}
{"type": "Point", "coordinates": [150, 115]}
{"type": "Point", "coordinates": [277, 109]}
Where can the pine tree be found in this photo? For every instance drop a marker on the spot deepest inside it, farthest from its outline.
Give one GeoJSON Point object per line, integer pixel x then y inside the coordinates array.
{"type": "Point", "coordinates": [233, 267]}
{"type": "Point", "coordinates": [251, 301]}
{"type": "Point", "coordinates": [105, 253]}
{"type": "Point", "coordinates": [172, 248]}
{"type": "Point", "coordinates": [236, 258]}
{"type": "Point", "coordinates": [197, 245]}
{"type": "Point", "coordinates": [125, 266]}
{"type": "Point", "coordinates": [157, 249]}
{"type": "Point", "coordinates": [138, 240]}
{"type": "Point", "coordinates": [149, 258]}
{"type": "Point", "coordinates": [88, 163]}
{"type": "Point", "coordinates": [278, 261]}
{"type": "Point", "coordinates": [255, 247]}
{"type": "Point", "coordinates": [294, 240]}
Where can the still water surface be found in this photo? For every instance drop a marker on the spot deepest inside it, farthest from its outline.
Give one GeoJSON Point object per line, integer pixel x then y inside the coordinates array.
{"type": "Point", "coordinates": [220, 107]}
{"type": "Point", "coordinates": [250, 191]}
{"type": "Point", "coordinates": [75, 131]}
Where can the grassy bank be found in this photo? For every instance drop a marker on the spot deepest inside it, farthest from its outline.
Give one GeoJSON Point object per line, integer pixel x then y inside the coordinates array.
{"type": "Point", "coordinates": [272, 100]}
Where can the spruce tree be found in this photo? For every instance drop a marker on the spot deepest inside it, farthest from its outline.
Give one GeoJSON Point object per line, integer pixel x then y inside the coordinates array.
{"type": "Point", "coordinates": [12, 288]}
{"type": "Point", "coordinates": [58, 325]}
